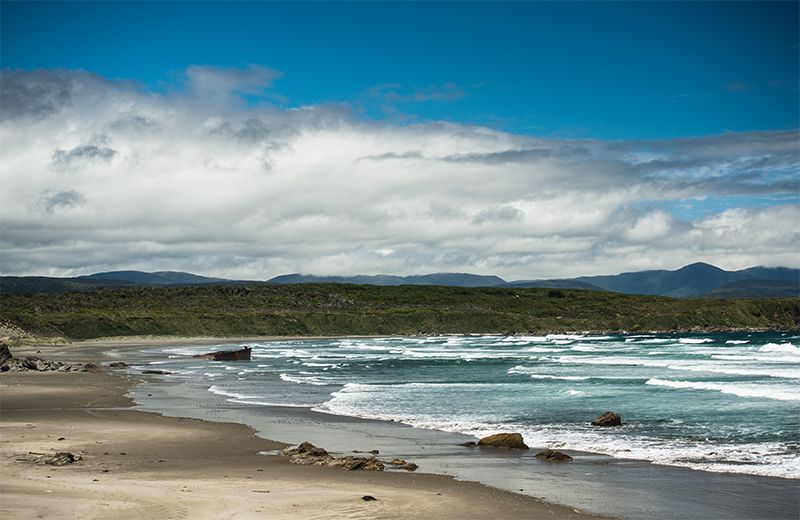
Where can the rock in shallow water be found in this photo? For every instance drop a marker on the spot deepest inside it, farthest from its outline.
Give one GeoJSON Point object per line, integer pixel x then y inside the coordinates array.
{"type": "Point", "coordinates": [607, 419]}
{"type": "Point", "coordinates": [512, 441]}
{"type": "Point", "coordinates": [553, 456]}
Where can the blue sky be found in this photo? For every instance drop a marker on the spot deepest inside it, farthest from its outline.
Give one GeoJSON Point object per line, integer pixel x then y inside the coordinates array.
{"type": "Point", "coordinates": [526, 140]}
{"type": "Point", "coordinates": [604, 70]}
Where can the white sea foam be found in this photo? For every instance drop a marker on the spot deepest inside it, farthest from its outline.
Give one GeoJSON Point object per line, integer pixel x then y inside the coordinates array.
{"type": "Point", "coordinates": [214, 389]}
{"type": "Point", "coordinates": [269, 403]}
{"type": "Point", "coordinates": [527, 339]}
{"type": "Point", "coordinates": [692, 341]}
{"type": "Point", "coordinates": [769, 359]}
{"type": "Point", "coordinates": [782, 347]}
{"type": "Point", "coordinates": [305, 380]}
{"type": "Point", "coordinates": [686, 366]}
{"type": "Point", "coordinates": [649, 341]}
{"type": "Point", "coordinates": [780, 393]}
{"type": "Point", "coordinates": [737, 341]}
{"type": "Point", "coordinates": [532, 371]}
{"type": "Point", "coordinates": [562, 378]}
{"type": "Point", "coordinates": [545, 349]}
{"type": "Point", "coordinates": [552, 337]}
{"type": "Point", "coordinates": [736, 370]}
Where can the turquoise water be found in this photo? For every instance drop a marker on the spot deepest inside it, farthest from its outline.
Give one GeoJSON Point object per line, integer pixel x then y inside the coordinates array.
{"type": "Point", "coordinates": [718, 402]}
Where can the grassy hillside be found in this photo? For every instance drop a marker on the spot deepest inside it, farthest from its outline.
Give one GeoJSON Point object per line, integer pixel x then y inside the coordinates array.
{"type": "Point", "coordinates": [328, 309]}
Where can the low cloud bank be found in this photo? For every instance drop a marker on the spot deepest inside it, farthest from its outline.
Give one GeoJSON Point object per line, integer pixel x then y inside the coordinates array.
{"type": "Point", "coordinates": [208, 177]}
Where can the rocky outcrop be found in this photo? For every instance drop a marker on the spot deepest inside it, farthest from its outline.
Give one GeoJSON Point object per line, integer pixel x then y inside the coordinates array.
{"type": "Point", "coordinates": [118, 364]}
{"type": "Point", "coordinates": [553, 456]}
{"type": "Point", "coordinates": [607, 419]}
{"type": "Point", "coordinates": [5, 353]}
{"type": "Point", "coordinates": [511, 441]}
{"type": "Point", "coordinates": [309, 455]}
{"type": "Point", "coordinates": [306, 448]}
{"type": "Point", "coordinates": [227, 355]}
{"type": "Point", "coordinates": [35, 364]}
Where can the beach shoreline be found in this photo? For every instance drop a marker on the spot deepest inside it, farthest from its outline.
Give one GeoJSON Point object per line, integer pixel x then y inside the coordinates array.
{"type": "Point", "coordinates": [598, 484]}
{"type": "Point", "coordinates": [140, 464]}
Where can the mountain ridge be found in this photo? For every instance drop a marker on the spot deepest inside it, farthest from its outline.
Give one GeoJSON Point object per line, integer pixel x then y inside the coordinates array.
{"type": "Point", "coordinates": [692, 280]}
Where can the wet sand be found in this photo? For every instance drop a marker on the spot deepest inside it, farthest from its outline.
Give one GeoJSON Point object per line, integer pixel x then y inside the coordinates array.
{"type": "Point", "coordinates": [145, 465]}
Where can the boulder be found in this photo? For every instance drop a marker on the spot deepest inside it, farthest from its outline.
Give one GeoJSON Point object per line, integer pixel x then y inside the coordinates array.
{"type": "Point", "coordinates": [607, 419]}
{"type": "Point", "coordinates": [470, 444]}
{"type": "Point", "coordinates": [307, 449]}
{"type": "Point", "coordinates": [402, 464]}
{"type": "Point", "coordinates": [512, 441]}
{"type": "Point", "coordinates": [553, 456]}
{"type": "Point", "coordinates": [157, 372]}
{"type": "Point", "coordinates": [5, 353]}
{"type": "Point", "coordinates": [354, 463]}
{"type": "Point", "coordinates": [118, 364]}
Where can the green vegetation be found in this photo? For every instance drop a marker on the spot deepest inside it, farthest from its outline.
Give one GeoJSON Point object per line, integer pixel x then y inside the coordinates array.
{"type": "Point", "coordinates": [334, 309]}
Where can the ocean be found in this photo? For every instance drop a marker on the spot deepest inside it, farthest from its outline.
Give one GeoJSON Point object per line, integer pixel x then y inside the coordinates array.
{"type": "Point", "coordinates": [715, 402]}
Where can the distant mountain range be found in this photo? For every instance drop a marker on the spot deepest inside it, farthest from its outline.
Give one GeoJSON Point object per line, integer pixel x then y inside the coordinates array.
{"type": "Point", "coordinates": [693, 280]}
{"type": "Point", "coordinates": [448, 279]}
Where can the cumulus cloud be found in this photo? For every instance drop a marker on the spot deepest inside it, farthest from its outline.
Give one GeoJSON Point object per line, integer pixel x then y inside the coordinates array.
{"type": "Point", "coordinates": [84, 152]}
{"type": "Point", "coordinates": [199, 179]}
{"type": "Point", "coordinates": [205, 81]}
{"type": "Point", "coordinates": [50, 200]}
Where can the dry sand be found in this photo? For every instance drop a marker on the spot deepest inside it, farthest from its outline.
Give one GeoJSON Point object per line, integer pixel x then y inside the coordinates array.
{"type": "Point", "coordinates": [144, 465]}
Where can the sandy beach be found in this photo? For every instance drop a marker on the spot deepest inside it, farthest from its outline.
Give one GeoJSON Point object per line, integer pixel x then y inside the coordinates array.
{"type": "Point", "coordinates": [144, 465]}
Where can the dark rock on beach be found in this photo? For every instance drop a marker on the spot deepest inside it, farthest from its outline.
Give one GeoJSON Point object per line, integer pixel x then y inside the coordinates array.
{"type": "Point", "coordinates": [553, 456]}
{"type": "Point", "coordinates": [354, 463]}
{"type": "Point", "coordinates": [307, 449]}
{"type": "Point", "coordinates": [469, 444]}
{"type": "Point", "coordinates": [5, 353]}
{"type": "Point", "coordinates": [157, 372]}
{"type": "Point", "coordinates": [309, 455]}
{"type": "Point", "coordinates": [402, 464]}
{"type": "Point", "coordinates": [607, 419]}
{"type": "Point", "coordinates": [511, 441]}
{"type": "Point", "coordinates": [36, 364]}
{"type": "Point", "coordinates": [118, 364]}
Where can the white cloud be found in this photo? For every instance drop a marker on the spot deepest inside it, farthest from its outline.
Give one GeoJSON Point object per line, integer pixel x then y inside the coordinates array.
{"type": "Point", "coordinates": [102, 175]}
